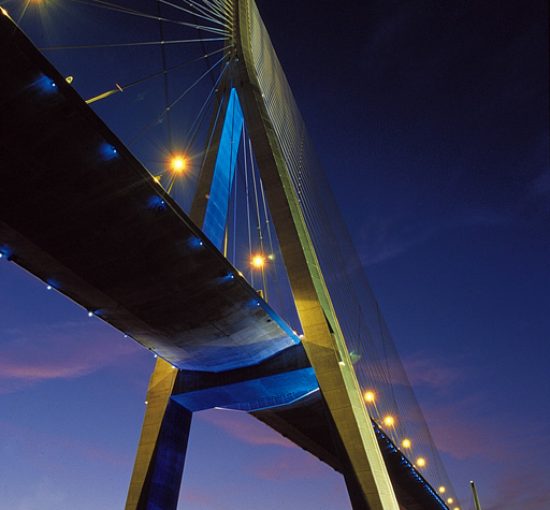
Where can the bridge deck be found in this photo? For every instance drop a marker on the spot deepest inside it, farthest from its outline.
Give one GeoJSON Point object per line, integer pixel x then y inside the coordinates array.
{"type": "Point", "coordinates": [104, 233]}
{"type": "Point", "coordinates": [99, 229]}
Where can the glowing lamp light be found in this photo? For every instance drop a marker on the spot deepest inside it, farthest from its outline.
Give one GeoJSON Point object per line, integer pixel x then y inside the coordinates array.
{"type": "Point", "coordinates": [178, 163]}
{"type": "Point", "coordinates": [90, 314]}
{"type": "Point", "coordinates": [450, 500]}
{"type": "Point", "coordinates": [406, 443]}
{"type": "Point", "coordinates": [442, 489]}
{"type": "Point", "coordinates": [369, 396]}
{"type": "Point", "coordinates": [4, 12]}
{"type": "Point", "coordinates": [389, 421]}
{"type": "Point", "coordinates": [421, 462]}
{"type": "Point", "coordinates": [258, 261]}
{"type": "Point", "coordinates": [456, 508]}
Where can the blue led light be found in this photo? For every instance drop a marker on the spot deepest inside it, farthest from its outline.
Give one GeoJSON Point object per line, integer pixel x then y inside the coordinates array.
{"type": "Point", "coordinates": [46, 84]}
{"type": "Point", "coordinates": [52, 284]}
{"type": "Point", "coordinates": [155, 202]}
{"type": "Point", "coordinates": [195, 242]}
{"type": "Point", "coordinates": [227, 278]}
{"type": "Point", "coordinates": [108, 151]}
{"type": "Point", "coordinates": [5, 251]}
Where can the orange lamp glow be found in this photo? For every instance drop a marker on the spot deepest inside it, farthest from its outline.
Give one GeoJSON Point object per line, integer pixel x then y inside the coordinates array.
{"type": "Point", "coordinates": [257, 261]}
{"type": "Point", "coordinates": [369, 396]}
{"type": "Point", "coordinates": [421, 462]}
{"type": "Point", "coordinates": [389, 421]}
{"type": "Point", "coordinates": [450, 500]}
{"type": "Point", "coordinates": [442, 489]}
{"type": "Point", "coordinates": [406, 443]}
{"type": "Point", "coordinates": [178, 163]}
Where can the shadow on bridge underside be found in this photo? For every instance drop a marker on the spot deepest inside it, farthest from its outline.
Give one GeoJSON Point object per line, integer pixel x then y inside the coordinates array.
{"type": "Point", "coordinates": [81, 213]}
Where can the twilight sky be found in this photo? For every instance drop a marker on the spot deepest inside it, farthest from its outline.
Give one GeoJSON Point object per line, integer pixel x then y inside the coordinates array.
{"type": "Point", "coordinates": [432, 121]}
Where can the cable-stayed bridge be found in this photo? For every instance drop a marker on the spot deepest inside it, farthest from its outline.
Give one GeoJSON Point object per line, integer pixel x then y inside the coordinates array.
{"type": "Point", "coordinates": [245, 282]}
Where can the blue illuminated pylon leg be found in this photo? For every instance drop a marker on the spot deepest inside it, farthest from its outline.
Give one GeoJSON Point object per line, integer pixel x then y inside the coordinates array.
{"type": "Point", "coordinates": [210, 207]}
{"type": "Point", "coordinates": [160, 459]}
{"type": "Point", "coordinates": [158, 469]}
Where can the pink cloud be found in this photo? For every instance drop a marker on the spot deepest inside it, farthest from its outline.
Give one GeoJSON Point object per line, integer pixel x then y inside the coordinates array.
{"type": "Point", "coordinates": [290, 465]}
{"type": "Point", "coordinates": [416, 371]}
{"type": "Point", "coordinates": [289, 462]}
{"type": "Point", "coordinates": [463, 429]}
{"type": "Point", "coordinates": [61, 351]}
{"type": "Point", "coordinates": [459, 437]}
{"type": "Point", "coordinates": [526, 489]}
{"type": "Point", "coordinates": [245, 428]}
{"type": "Point", "coordinates": [433, 373]}
{"type": "Point", "coordinates": [196, 496]}
{"type": "Point", "coordinates": [33, 441]}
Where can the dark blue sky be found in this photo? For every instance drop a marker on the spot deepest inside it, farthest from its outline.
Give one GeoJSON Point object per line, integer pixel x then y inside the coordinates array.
{"type": "Point", "coordinates": [442, 171]}
{"type": "Point", "coordinates": [434, 133]}
{"type": "Point", "coordinates": [431, 119]}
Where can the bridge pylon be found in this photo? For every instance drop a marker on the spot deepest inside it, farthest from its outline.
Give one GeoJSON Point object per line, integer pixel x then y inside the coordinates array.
{"type": "Point", "coordinates": [256, 90]}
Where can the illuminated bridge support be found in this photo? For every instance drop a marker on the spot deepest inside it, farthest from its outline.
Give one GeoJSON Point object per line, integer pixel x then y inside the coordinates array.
{"type": "Point", "coordinates": [173, 395]}
{"type": "Point", "coordinates": [158, 468]}
{"type": "Point", "coordinates": [183, 300]}
{"type": "Point", "coordinates": [277, 133]}
{"type": "Point", "coordinates": [262, 96]}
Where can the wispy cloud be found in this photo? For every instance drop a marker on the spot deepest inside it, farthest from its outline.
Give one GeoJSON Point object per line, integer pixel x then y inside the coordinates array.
{"type": "Point", "coordinates": [466, 428]}
{"type": "Point", "coordinates": [458, 434]}
{"type": "Point", "coordinates": [418, 371]}
{"type": "Point", "coordinates": [42, 495]}
{"type": "Point", "coordinates": [196, 497]}
{"type": "Point", "coordinates": [30, 355]}
{"type": "Point", "coordinates": [383, 239]}
{"type": "Point", "coordinates": [433, 373]}
{"type": "Point", "coordinates": [245, 428]}
{"type": "Point", "coordinates": [34, 440]}
{"type": "Point", "coordinates": [289, 465]}
{"type": "Point", "coordinates": [527, 489]}
{"type": "Point", "coordinates": [288, 462]}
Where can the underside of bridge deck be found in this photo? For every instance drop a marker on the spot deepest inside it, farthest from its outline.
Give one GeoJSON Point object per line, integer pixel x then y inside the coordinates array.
{"type": "Point", "coordinates": [81, 213]}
